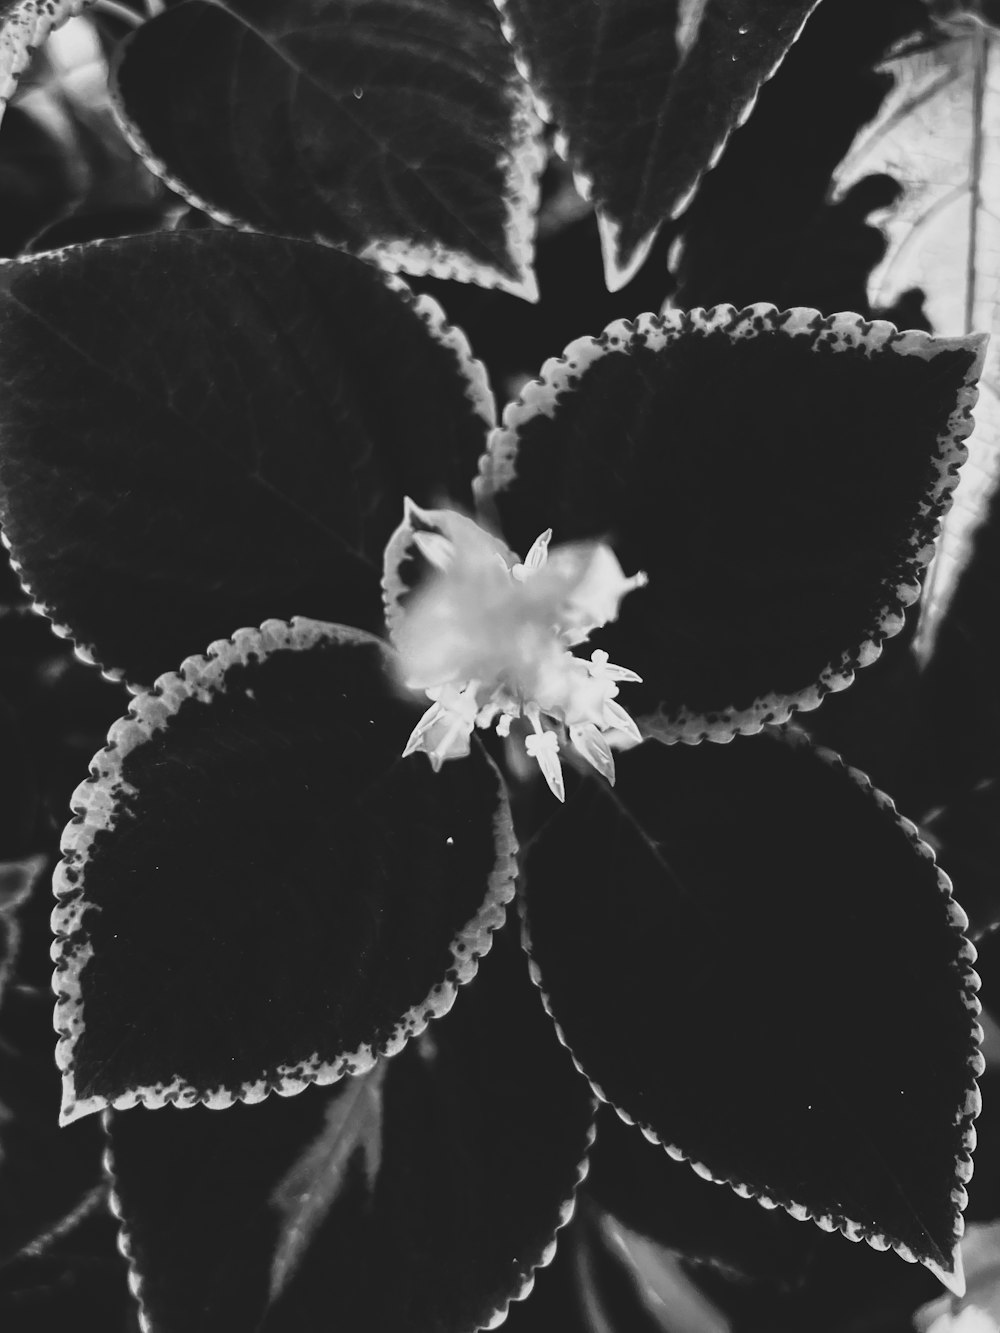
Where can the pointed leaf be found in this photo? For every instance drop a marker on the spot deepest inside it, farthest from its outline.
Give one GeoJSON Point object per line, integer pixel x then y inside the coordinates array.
{"type": "Point", "coordinates": [257, 891]}
{"type": "Point", "coordinates": [203, 429]}
{"type": "Point", "coordinates": [400, 131]}
{"type": "Point", "coordinates": [934, 135]}
{"type": "Point", "coordinates": [659, 1197]}
{"type": "Point", "coordinates": [484, 1126]}
{"type": "Point", "coordinates": [756, 960]}
{"type": "Point", "coordinates": [779, 477]}
{"type": "Point", "coordinates": [646, 96]}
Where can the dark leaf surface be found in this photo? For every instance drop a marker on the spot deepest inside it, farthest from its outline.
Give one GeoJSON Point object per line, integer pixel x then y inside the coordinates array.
{"type": "Point", "coordinates": [659, 1197]}
{"type": "Point", "coordinates": [780, 477]}
{"type": "Point", "coordinates": [780, 965]}
{"type": "Point", "coordinates": [398, 129]}
{"type": "Point", "coordinates": [647, 94]}
{"type": "Point", "coordinates": [484, 1125]}
{"type": "Point", "coordinates": [257, 891]}
{"type": "Point", "coordinates": [200, 430]}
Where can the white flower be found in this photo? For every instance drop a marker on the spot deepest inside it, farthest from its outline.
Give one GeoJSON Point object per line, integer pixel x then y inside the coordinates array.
{"type": "Point", "coordinates": [489, 639]}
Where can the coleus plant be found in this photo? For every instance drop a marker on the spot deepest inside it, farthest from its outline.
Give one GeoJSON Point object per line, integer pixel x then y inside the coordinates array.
{"type": "Point", "coordinates": [255, 478]}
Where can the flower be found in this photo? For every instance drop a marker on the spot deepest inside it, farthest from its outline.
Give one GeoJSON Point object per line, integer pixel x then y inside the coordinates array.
{"type": "Point", "coordinates": [489, 641]}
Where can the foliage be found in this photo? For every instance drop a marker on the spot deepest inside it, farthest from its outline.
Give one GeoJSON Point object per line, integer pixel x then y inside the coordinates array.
{"type": "Point", "coordinates": [484, 904]}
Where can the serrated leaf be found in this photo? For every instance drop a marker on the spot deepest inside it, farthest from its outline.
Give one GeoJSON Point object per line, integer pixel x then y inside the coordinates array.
{"type": "Point", "coordinates": [779, 477]}
{"type": "Point", "coordinates": [400, 131]}
{"type": "Point", "coordinates": [645, 96]}
{"type": "Point", "coordinates": [485, 1125]}
{"type": "Point", "coordinates": [24, 26]}
{"type": "Point", "coordinates": [257, 892]}
{"type": "Point", "coordinates": [656, 1196]}
{"type": "Point", "coordinates": [756, 960]}
{"type": "Point", "coordinates": [979, 1311]}
{"type": "Point", "coordinates": [200, 430]}
{"type": "Point", "coordinates": [934, 135]}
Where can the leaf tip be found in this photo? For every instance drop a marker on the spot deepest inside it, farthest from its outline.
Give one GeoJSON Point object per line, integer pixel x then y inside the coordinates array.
{"type": "Point", "coordinates": [620, 267]}
{"type": "Point", "coordinates": [954, 1278]}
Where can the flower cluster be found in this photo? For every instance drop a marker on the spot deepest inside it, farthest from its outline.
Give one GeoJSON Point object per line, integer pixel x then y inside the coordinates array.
{"type": "Point", "coordinates": [489, 641]}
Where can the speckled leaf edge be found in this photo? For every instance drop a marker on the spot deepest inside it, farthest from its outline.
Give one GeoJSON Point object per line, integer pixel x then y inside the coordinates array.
{"type": "Point", "coordinates": [523, 165]}
{"type": "Point", "coordinates": [619, 272]}
{"type": "Point", "coordinates": [498, 468]}
{"type": "Point", "coordinates": [953, 1279]}
{"type": "Point", "coordinates": [95, 805]}
{"type": "Point", "coordinates": [23, 30]}
{"type": "Point", "coordinates": [478, 393]}
{"type": "Point", "coordinates": [136, 1281]}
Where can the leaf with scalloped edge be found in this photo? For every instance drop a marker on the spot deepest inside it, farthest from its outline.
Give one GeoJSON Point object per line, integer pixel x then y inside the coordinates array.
{"type": "Point", "coordinates": [779, 476]}
{"type": "Point", "coordinates": [200, 430]}
{"type": "Point", "coordinates": [483, 1128]}
{"type": "Point", "coordinates": [257, 891]}
{"type": "Point", "coordinates": [399, 130]}
{"type": "Point", "coordinates": [645, 96]}
{"type": "Point", "coordinates": [934, 135]}
{"type": "Point", "coordinates": [755, 959]}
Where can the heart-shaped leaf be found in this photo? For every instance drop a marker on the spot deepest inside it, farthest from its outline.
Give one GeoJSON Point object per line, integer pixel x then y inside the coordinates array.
{"type": "Point", "coordinates": [461, 1168]}
{"type": "Point", "coordinates": [754, 958]}
{"type": "Point", "coordinates": [646, 96]}
{"type": "Point", "coordinates": [205, 429]}
{"type": "Point", "coordinates": [400, 131]}
{"type": "Point", "coordinates": [779, 476]}
{"type": "Point", "coordinates": [258, 892]}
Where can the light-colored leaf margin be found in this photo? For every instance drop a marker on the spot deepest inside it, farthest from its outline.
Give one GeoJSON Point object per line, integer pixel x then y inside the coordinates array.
{"type": "Point", "coordinates": [23, 30]}
{"type": "Point", "coordinates": [96, 809]}
{"type": "Point", "coordinates": [932, 135]}
{"type": "Point", "coordinates": [499, 1317]}
{"type": "Point", "coordinates": [839, 332]}
{"type": "Point", "coordinates": [478, 392]}
{"type": "Point", "coordinates": [953, 1279]}
{"type": "Point", "coordinates": [523, 165]}
{"type": "Point", "coordinates": [618, 275]}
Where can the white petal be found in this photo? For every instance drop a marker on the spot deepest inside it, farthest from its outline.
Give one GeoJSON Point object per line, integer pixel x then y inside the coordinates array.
{"type": "Point", "coordinates": [535, 558]}
{"type": "Point", "coordinates": [589, 742]}
{"type": "Point", "coordinates": [544, 748]}
{"type": "Point", "coordinates": [618, 720]}
{"type": "Point", "coordinates": [435, 548]}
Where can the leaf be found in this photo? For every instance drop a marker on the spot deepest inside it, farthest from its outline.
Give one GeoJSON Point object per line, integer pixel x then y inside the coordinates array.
{"type": "Point", "coordinates": [757, 961]}
{"type": "Point", "coordinates": [203, 429]}
{"type": "Point", "coordinates": [965, 833]}
{"type": "Point", "coordinates": [399, 130]}
{"type": "Point", "coordinates": [485, 1127]}
{"type": "Point", "coordinates": [778, 476]}
{"type": "Point", "coordinates": [257, 892]}
{"type": "Point", "coordinates": [646, 95]}
{"type": "Point", "coordinates": [658, 1197]}
{"type": "Point", "coordinates": [304, 1195]}
{"type": "Point", "coordinates": [667, 1290]}
{"type": "Point", "coordinates": [17, 880]}
{"type": "Point", "coordinates": [24, 26]}
{"type": "Point", "coordinates": [933, 135]}
{"type": "Point", "coordinates": [979, 1312]}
